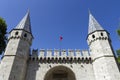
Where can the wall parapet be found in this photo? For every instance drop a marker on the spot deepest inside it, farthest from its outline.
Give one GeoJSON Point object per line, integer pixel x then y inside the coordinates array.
{"type": "Point", "coordinates": [60, 56]}
{"type": "Point", "coordinates": [60, 53]}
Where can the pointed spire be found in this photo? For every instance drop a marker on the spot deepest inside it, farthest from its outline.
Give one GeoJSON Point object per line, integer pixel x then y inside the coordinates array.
{"type": "Point", "coordinates": [25, 23]}
{"type": "Point", "coordinates": [93, 24]}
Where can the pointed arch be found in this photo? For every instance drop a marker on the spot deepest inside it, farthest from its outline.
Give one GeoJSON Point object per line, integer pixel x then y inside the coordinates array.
{"type": "Point", "coordinates": [60, 73]}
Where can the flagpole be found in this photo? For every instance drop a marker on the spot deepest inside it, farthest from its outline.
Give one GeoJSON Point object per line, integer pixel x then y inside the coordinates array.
{"type": "Point", "coordinates": [60, 44]}
{"type": "Point", "coordinates": [60, 47]}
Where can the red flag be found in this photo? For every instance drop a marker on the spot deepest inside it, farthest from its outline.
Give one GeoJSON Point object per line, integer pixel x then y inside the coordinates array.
{"type": "Point", "coordinates": [61, 38]}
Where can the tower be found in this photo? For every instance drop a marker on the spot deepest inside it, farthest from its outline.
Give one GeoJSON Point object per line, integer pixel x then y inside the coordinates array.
{"type": "Point", "coordinates": [104, 64]}
{"type": "Point", "coordinates": [14, 62]}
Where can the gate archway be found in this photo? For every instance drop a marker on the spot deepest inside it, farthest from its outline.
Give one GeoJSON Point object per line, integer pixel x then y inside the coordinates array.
{"type": "Point", "coordinates": [60, 73]}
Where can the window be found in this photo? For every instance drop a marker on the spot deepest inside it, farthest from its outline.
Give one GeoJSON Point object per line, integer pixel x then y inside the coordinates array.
{"type": "Point", "coordinates": [25, 35]}
{"type": "Point", "coordinates": [93, 36]}
{"type": "Point", "coordinates": [16, 33]}
{"type": "Point", "coordinates": [101, 34]}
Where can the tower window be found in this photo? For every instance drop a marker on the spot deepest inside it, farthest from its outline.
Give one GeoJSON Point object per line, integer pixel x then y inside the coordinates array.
{"type": "Point", "coordinates": [25, 35]}
{"type": "Point", "coordinates": [16, 33]}
{"type": "Point", "coordinates": [93, 36]}
{"type": "Point", "coordinates": [101, 34]}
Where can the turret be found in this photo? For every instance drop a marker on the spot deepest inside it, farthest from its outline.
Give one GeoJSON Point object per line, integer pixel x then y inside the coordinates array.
{"type": "Point", "coordinates": [98, 39]}
{"type": "Point", "coordinates": [104, 64]}
{"type": "Point", "coordinates": [14, 62]}
{"type": "Point", "coordinates": [20, 39]}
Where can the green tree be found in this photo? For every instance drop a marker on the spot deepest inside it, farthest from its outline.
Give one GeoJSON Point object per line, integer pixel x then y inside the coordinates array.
{"type": "Point", "coordinates": [3, 32]}
{"type": "Point", "coordinates": [118, 54]}
{"type": "Point", "coordinates": [118, 51]}
{"type": "Point", "coordinates": [118, 32]}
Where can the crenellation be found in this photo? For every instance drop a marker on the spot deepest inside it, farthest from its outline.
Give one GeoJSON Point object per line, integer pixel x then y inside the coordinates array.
{"type": "Point", "coordinates": [61, 56]}
{"type": "Point", "coordinates": [42, 53]}
{"type": "Point", "coordinates": [61, 53]}
{"type": "Point", "coordinates": [56, 53]}
{"type": "Point", "coordinates": [49, 53]}
{"type": "Point", "coordinates": [35, 53]}
{"type": "Point", "coordinates": [78, 53]}
{"type": "Point", "coordinates": [71, 53]}
{"type": "Point", "coordinates": [85, 53]}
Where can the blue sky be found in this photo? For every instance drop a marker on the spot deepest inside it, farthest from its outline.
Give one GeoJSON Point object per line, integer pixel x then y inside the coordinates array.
{"type": "Point", "coordinates": [69, 18]}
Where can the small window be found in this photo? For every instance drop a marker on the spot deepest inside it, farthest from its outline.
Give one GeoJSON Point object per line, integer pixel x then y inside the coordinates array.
{"type": "Point", "coordinates": [25, 35]}
{"type": "Point", "coordinates": [101, 34]}
{"type": "Point", "coordinates": [93, 36]}
{"type": "Point", "coordinates": [16, 33]}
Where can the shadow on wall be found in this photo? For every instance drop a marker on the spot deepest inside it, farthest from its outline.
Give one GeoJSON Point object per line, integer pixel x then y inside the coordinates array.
{"type": "Point", "coordinates": [32, 68]}
{"type": "Point", "coordinates": [18, 68]}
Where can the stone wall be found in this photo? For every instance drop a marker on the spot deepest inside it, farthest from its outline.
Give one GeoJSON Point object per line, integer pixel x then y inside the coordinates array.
{"type": "Point", "coordinates": [40, 69]}
{"type": "Point", "coordinates": [60, 53]}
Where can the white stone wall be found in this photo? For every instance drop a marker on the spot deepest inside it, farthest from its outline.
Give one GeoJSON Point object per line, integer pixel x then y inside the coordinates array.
{"type": "Point", "coordinates": [5, 68]}
{"type": "Point", "coordinates": [37, 71]}
{"type": "Point", "coordinates": [12, 68]}
{"type": "Point", "coordinates": [104, 64]}
{"type": "Point", "coordinates": [105, 68]}
{"type": "Point", "coordinates": [12, 46]}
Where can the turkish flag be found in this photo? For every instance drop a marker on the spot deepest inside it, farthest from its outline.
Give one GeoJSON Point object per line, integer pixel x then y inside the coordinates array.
{"type": "Point", "coordinates": [61, 38]}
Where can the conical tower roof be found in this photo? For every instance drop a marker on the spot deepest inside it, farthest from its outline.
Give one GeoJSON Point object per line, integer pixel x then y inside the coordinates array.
{"type": "Point", "coordinates": [25, 23]}
{"type": "Point", "coordinates": [93, 24]}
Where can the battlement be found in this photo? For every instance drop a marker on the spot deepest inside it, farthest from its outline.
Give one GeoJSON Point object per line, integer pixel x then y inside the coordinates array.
{"type": "Point", "coordinates": [61, 55]}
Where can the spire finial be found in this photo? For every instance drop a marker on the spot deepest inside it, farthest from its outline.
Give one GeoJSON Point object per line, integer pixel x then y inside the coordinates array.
{"type": "Point", "coordinates": [28, 11]}
{"type": "Point", "coordinates": [89, 11]}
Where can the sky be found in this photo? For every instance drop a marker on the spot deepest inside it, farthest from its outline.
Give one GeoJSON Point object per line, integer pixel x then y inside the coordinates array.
{"type": "Point", "coordinates": [69, 18]}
